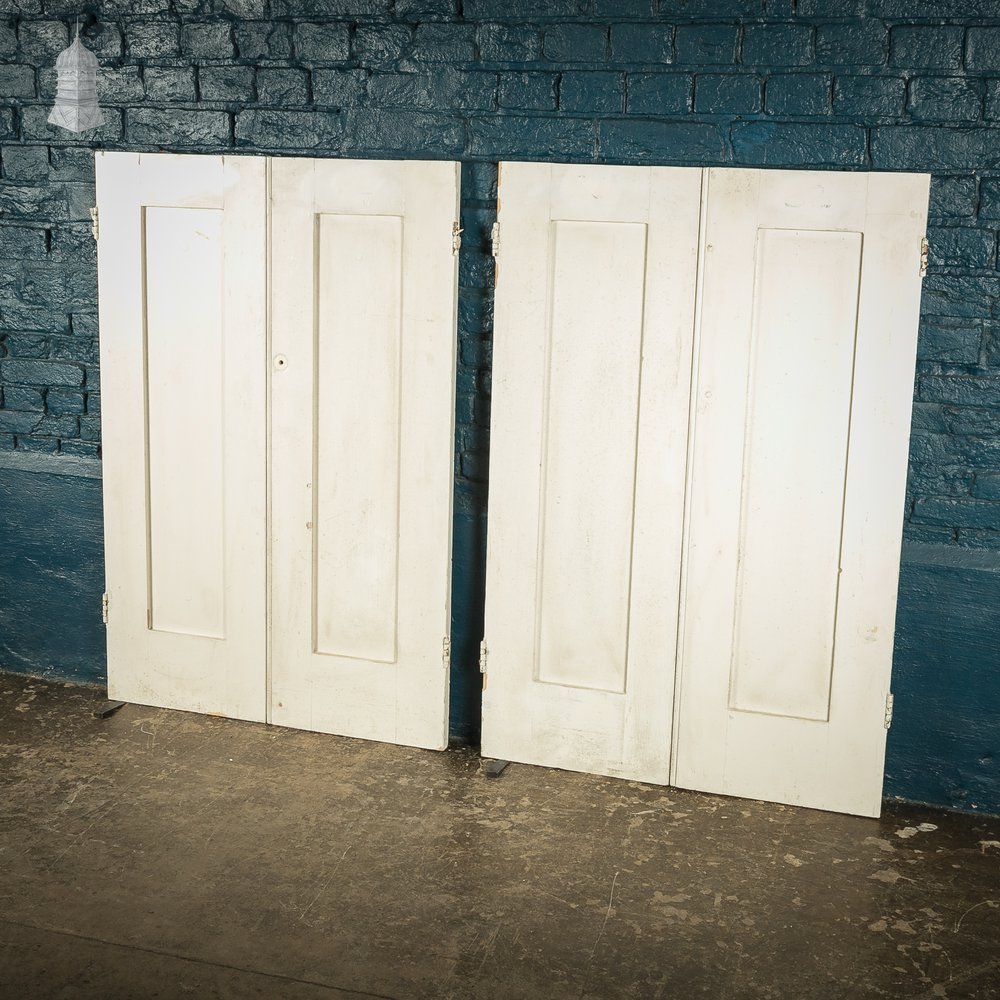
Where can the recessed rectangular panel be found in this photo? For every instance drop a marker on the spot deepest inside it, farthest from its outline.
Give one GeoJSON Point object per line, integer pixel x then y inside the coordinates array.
{"type": "Point", "coordinates": [185, 373]}
{"type": "Point", "coordinates": [356, 435]}
{"type": "Point", "coordinates": [795, 460]}
{"type": "Point", "coordinates": [597, 282]}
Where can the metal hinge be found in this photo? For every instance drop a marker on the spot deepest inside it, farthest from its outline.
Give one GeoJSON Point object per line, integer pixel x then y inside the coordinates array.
{"type": "Point", "coordinates": [104, 607]}
{"type": "Point", "coordinates": [888, 710]}
{"type": "Point", "coordinates": [495, 238]}
{"type": "Point", "coordinates": [446, 650]}
{"type": "Point", "coordinates": [456, 237]}
{"type": "Point", "coordinates": [95, 224]}
{"type": "Point", "coordinates": [925, 252]}
{"type": "Point", "coordinates": [483, 654]}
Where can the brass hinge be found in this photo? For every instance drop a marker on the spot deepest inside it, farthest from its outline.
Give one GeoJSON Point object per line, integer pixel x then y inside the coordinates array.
{"type": "Point", "coordinates": [95, 224]}
{"type": "Point", "coordinates": [495, 238]}
{"type": "Point", "coordinates": [925, 252]}
{"type": "Point", "coordinates": [104, 607]}
{"type": "Point", "coordinates": [456, 238]}
{"type": "Point", "coordinates": [483, 655]}
{"type": "Point", "coordinates": [888, 710]}
{"type": "Point", "coordinates": [446, 651]}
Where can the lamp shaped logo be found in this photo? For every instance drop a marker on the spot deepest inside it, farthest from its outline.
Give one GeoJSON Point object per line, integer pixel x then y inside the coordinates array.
{"type": "Point", "coordinates": [76, 106]}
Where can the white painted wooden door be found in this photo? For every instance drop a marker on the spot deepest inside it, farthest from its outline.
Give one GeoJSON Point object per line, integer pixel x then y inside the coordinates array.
{"type": "Point", "coordinates": [592, 345]}
{"type": "Point", "coordinates": [362, 394]}
{"type": "Point", "coordinates": [182, 294]}
{"type": "Point", "coordinates": [802, 400]}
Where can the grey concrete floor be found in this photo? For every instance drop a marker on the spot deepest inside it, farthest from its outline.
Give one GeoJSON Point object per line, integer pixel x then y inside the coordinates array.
{"type": "Point", "coordinates": [162, 854]}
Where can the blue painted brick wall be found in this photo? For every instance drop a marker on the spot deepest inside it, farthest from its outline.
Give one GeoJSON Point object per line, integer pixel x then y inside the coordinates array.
{"type": "Point", "coordinates": [844, 84]}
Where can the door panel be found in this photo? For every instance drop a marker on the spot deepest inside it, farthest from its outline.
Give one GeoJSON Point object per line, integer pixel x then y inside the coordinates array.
{"type": "Point", "coordinates": [362, 398]}
{"type": "Point", "coordinates": [182, 345]}
{"type": "Point", "coordinates": [805, 358]}
{"type": "Point", "coordinates": [594, 306]}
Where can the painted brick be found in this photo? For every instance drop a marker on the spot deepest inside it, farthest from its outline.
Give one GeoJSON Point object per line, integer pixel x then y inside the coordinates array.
{"type": "Point", "coordinates": [104, 40]}
{"type": "Point", "coordinates": [613, 9]}
{"type": "Point", "coordinates": [152, 39]}
{"type": "Point", "coordinates": [208, 41]}
{"type": "Point", "coordinates": [17, 81]}
{"type": "Point", "coordinates": [509, 43]}
{"type": "Point", "coordinates": [961, 247]}
{"type": "Point", "coordinates": [412, 132]}
{"type": "Point", "coordinates": [576, 43]}
{"type": "Point", "coordinates": [289, 129]}
{"type": "Point", "coordinates": [858, 44]}
{"type": "Point", "coordinates": [642, 43]}
{"type": "Point", "coordinates": [726, 93]}
{"type": "Point", "coordinates": [798, 94]}
{"type": "Point", "coordinates": [953, 197]}
{"type": "Point", "coordinates": [919, 47]}
{"type": "Point", "coordinates": [447, 88]}
{"type": "Point", "coordinates": [710, 44]}
{"type": "Point", "coordinates": [479, 183]}
{"type": "Point", "coordinates": [85, 324]}
{"type": "Point", "coordinates": [17, 422]}
{"type": "Point", "coordinates": [596, 93]}
{"type": "Point", "coordinates": [21, 7]}
{"type": "Point", "coordinates": [960, 390]}
{"type": "Point", "coordinates": [331, 8]}
{"type": "Point", "coordinates": [518, 9]}
{"type": "Point", "coordinates": [339, 88]}
{"type": "Point", "coordinates": [989, 198]}
{"type": "Point", "coordinates": [528, 91]}
{"type": "Point", "coordinates": [7, 127]}
{"type": "Point", "coordinates": [986, 486]}
{"type": "Point", "coordinates": [8, 38]}
{"type": "Point", "coordinates": [93, 403]}
{"type": "Point", "coordinates": [79, 449]}
{"type": "Point", "coordinates": [777, 45]}
{"type": "Point", "coordinates": [168, 83]}
{"type": "Point", "coordinates": [779, 143]}
{"type": "Point", "coordinates": [261, 40]}
{"type": "Point", "coordinates": [505, 136]}
{"type": "Point", "coordinates": [225, 83]}
{"type": "Point", "coordinates": [477, 224]}
{"type": "Point", "coordinates": [992, 99]}
{"type": "Point", "coordinates": [973, 421]}
{"type": "Point", "coordinates": [945, 99]}
{"type": "Point", "coordinates": [25, 163]}
{"type": "Point", "coordinates": [44, 373]}
{"type": "Point", "coordinates": [969, 513]}
{"type": "Point", "coordinates": [957, 344]}
{"type": "Point", "coordinates": [990, 348]}
{"type": "Point", "coordinates": [26, 201]}
{"type": "Point", "coordinates": [375, 44]}
{"type": "Point", "coordinates": [42, 40]}
{"type": "Point", "coordinates": [121, 84]}
{"type": "Point", "coordinates": [439, 43]}
{"type": "Point", "coordinates": [22, 242]}
{"type": "Point", "coordinates": [73, 242]}
{"type": "Point", "coordinates": [425, 10]}
{"type": "Point", "coordinates": [869, 96]}
{"type": "Point", "coordinates": [282, 86]}
{"type": "Point", "coordinates": [669, 142]}
{"type": "Point", "coordinates": [659, 93]}
{"type": "Point", "coordinates": [176, 127]}
{"type": "Point", "coordinates": [959, 297]}
{"type": "Point", "coordinates": [62, 402]}
{"type": "Point", "coordinates": [933, 147]}
{"type": "Point", "coordinates": [22, 398]}
{"type": "Point", "coordinates": [90, 428]}
{"type": "Point", "coordinates": [982, 51]}
{"type": "Point", "coordinates": [322, 43]}
{"type": "Point", "coordinates": [27, 346]}
{"type": "Point", "coordinates": [69, 164]}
